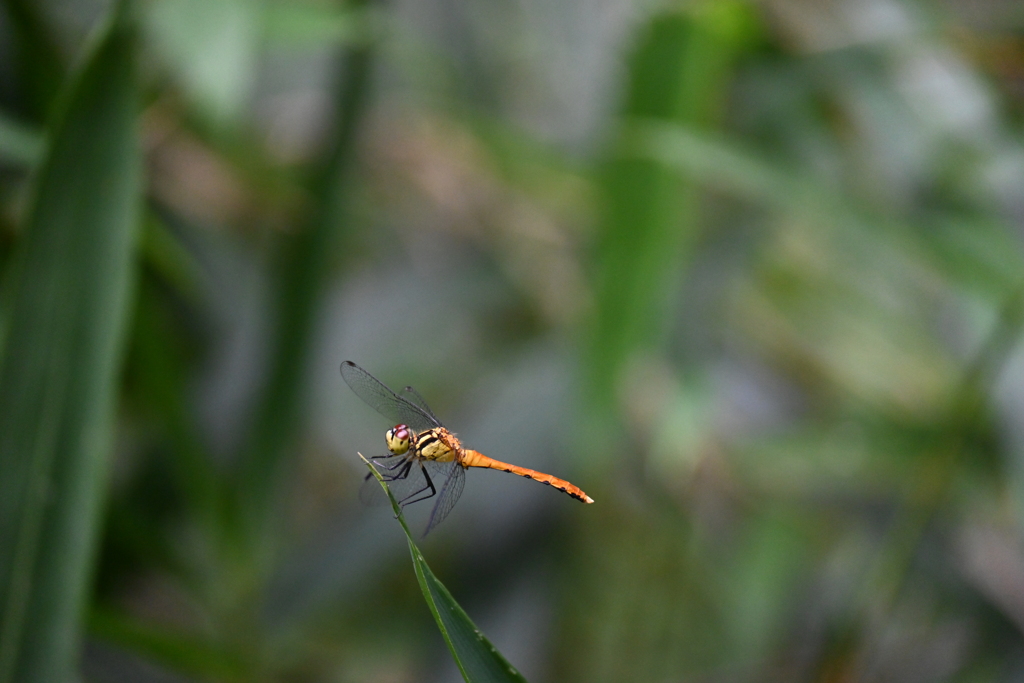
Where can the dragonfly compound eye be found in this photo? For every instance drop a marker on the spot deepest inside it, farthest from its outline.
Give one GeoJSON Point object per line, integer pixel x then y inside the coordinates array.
{"type": "Point", "coordinates": [398, 439]}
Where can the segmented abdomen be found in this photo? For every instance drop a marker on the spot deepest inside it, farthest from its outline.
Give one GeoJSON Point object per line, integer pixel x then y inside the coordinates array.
{"type": "Point", "coordinates": [471, 458]}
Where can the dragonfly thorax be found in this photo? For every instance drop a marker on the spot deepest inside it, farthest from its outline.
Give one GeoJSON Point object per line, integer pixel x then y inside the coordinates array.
{"type": "Point", "coordinates": [398, 439]}
{"type": "Point", "coordinates": [432, 444]}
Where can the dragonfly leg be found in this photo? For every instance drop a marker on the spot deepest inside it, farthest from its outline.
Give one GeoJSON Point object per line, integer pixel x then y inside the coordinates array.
{"type": "Point", "coordinates": [391, 477]}
{"type": "Point", "coordinates": [402, 473]}
{"type": "Point", "coordinates": [430, 485]}
{"type": "Point", "coordinates": [388, 467]}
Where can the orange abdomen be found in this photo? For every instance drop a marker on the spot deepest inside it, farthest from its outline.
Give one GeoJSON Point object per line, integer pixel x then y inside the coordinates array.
{"type": "Point", "coordinates": [471, 458]}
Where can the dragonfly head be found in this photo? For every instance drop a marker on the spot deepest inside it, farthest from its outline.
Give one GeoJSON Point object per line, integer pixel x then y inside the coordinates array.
{"type": "Point", "coordinates": [398, 438]}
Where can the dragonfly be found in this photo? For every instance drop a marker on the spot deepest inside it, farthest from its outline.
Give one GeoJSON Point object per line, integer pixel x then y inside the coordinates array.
{"type": "Point", "coordinates": [425, 459]}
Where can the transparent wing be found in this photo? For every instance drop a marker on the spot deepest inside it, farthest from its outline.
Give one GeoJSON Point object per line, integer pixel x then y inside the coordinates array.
{"type": "Point", "coordinates": [413, 396]}
{"type": "Point", "coordinates": [449, 495]}
{"type": "Point", "coordinates": [408, 481]}
{"type": "Point", "coordinates": [386, 402]}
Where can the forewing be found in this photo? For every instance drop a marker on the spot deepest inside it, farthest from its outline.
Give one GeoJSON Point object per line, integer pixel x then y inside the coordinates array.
{"type": "Point", "coordinates": [386, 402]}
{"type": "Point", "coordinates": [449, 495]}
{"type": "Point", "coordinates": [413, 396]}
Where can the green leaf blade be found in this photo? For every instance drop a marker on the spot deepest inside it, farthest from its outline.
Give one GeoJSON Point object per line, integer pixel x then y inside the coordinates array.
{"type": "Point", "coordinates": [68, 299]}
{"type": "Point", "coordinates": [478, 660]}
{"type": "Point", "coordinates": [678, 74]}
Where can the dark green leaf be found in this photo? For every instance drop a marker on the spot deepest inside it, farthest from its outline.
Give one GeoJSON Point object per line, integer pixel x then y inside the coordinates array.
{"type": "Point", "coordinates": [58, 372]}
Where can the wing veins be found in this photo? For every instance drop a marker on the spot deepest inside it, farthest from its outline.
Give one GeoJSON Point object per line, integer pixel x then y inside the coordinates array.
{"type": "Point", "coordinates": [378, 396]}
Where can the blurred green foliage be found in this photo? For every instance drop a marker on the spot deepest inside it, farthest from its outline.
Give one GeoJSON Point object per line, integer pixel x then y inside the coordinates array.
{"type": "Point", "coordinates": [750, 274]}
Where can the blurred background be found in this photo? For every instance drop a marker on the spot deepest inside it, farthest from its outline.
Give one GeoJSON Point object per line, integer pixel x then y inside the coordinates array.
{"type": "Point", "coordinates": [748, 273]}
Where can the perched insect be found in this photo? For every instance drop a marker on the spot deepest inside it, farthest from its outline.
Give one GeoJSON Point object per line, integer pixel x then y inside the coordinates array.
{"type": "Point", "coordinates": [421, 450]}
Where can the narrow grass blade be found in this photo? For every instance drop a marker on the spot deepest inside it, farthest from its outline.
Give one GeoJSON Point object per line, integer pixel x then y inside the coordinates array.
{"type": "Point", "coordinates": [68, 297]}
{"type": "Point", "coordinates": [978, 251]}
{"type": "Point", "coordinates": [678, 74]}
{"type": "Point", "coordinates": [307, 260]}
{"type": "Point", "coordinates": [477, 659]}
